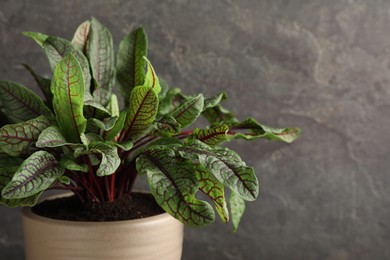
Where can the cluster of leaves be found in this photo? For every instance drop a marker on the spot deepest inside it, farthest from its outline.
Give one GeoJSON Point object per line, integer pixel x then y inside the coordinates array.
{"type": "Point", "coordinates": [79, 139]}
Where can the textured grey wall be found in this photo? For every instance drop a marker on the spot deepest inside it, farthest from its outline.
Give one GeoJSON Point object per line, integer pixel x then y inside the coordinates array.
{"type": "Point", "coordinates": [320, 65]}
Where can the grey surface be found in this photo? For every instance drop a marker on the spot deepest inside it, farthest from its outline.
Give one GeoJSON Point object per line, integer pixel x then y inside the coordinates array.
{"type": "Point", "coordinates": [320, 65]}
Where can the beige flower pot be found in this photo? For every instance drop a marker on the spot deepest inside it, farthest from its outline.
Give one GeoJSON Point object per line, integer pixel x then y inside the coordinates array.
{"type": "Point", "coordinates": [158, 237]}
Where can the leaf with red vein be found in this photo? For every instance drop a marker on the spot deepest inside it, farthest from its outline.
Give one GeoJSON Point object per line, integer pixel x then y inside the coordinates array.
{"type": "Point", "coordinates": [141, 113]}
{"type": "Point", "coordinates": [68, 90]}
{"type": "Point", "coordinates": [34, 175]}
{"type": "Point", "coordinates": [173, 184]}
{"type": "Point", "coordinates": [15, 139]}
{"type": "Point", "coordinates": [151, 79]}
{"type": "Point", "coordinates": [130, 67]}
{"type": "Point", "coordinates": [188, 112]}
{"type": "Point", "coordinates": [212, 188]}
{"type": "Point", "coordinates": [110, 160]}
{"type": "Point", "coordinates": [100, 53]}
{"type": "Point", "coordinates": [52, 137]}
{"type": "Point", "coordinates": [213, 136]}
{"type": "Point", "coordinates": [80, 37]}
{"type": "Point", "coordinates": [6, 175]}
{"type": "Point", "coordinates": [255, 130]}
{"type": "Point", "coordinates": [20, 103]}
{"type": "Point", "coordinates": [57, 48]}
{"type": "Point", "coordinates": [226, 166]}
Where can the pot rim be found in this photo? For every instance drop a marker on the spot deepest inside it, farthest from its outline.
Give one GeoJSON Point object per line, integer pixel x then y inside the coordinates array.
{"type": "Point", "coordinates": [27, 213]}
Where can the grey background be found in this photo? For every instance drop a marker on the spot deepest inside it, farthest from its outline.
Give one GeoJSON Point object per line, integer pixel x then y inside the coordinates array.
{"type": "Point", "coordinates": [320, 65]}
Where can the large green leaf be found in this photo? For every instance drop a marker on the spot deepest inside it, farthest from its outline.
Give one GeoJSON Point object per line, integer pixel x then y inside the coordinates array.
{"type": "Point", "coordinates": [142, 111]}
{"type": "Point", "coordinates": [80, 37]}
{"type": "Point", "coordinates": [100, 53]}
{"type": "Point", "coordinates": [226, 166]}
{"type": "Point", "coordinates": [212, 136]}
{"type": "Point", "coordinates": [173, 184]}
{"type": "Point", "coordinates": [6, 175]}
{"type": "Point", "coordinates": [214, 190]}
{"type": "Point", "coordinates": [110, 160]}
{"type": "Point", "coordinates": [19, 103]}
{"type": "Point", "coordinates": [130, 67]}
{"type": "Point", "coordinates": [188, 112]}
{"type": "Point", "coordinates": [237, 208]}
{"type": "Point", "coordinates": [43, 84]}
{"type": "Point", "coordinates": [34, 175]}
{"type": "Point", "coordinates": [15, 139]}
{"type": "Point", "coordinates": [57, 48]}
{"type": "Point", "coordinates": [68, 101]}
{"type": "Point", "coordinates": [250, 129]}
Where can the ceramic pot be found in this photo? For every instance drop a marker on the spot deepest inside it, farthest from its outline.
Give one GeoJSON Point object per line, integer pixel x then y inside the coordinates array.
{"type": "Point", "coordinates": [158, 237]}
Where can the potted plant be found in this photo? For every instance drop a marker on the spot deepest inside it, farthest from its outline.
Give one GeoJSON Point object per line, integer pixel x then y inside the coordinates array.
{"type": "Point", "coordinates": [80, 139]}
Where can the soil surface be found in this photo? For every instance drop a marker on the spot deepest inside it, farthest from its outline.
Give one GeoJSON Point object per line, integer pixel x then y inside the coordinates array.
{"type": "Point", "coordinates": [134, 206]}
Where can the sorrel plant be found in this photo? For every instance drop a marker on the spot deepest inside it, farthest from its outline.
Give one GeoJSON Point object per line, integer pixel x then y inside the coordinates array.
{"type": "Point", "coordinates": [78, 138]}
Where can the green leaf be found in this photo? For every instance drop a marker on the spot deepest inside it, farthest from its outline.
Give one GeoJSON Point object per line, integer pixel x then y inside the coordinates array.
{"type": "Point", "coordinates": [213, 136]}
{"type": "Point", "coordinates": [93, 109]}
{"type": "Point", "coordinates": [34, 175]}
{"type": "Point", "coordinates": [167, 103]}
{"type": "Point", "coordinates": [226, 166]}
{"type": "Point", "coordinates": [100, 53]}
{"type": "Point", "coordinates": [151, 79]}
{"type": "Point", "coordinates": [80, 37]}
{"type": "Point", "coordinates": [110, 159]}
{"type": "Point", "coordinates": [257, 130]}
{"type": "Point", "coordinates": [6, 175]}
{"type": "Point", "coordinates": [125, 146]}
{"type": "Point", "coordinates": [114, 105]}
{"type": "Point", "coordinates": [52, 137]}
{"type": "Point", "coordinates": [19, 103]}
{"type": "Point", "coordinates": [173, 184]}
{"type": "Point", "coordinates": [188, 112]}
{"type": "Point", "coordinates": [167, 126]}
{"type": "Point", "coordinates": [214, 101]}
{"type": "Point", "coordinates": [64, 180]}
{"type": "Point", "coordinates": [130, 65]}
{"type": "Point", "coordinates": [15, 139]}
{"type": "Point", "coordinates": [218, 115]}
{"type": "Point", "coordinates": [71, 165]}
{"type": "Point", "coordinates": [113, 132]}
{"type": "Point", "coordinates": [105, 124]}
{"type": "Point", "coordinates": [40, 38]}
{"type": "Point", "coordinates": [237, 208]}
{"type": "Point", "coordinates": [214, 190]}
{"type": "Point", "coordinates": [142, 111]}
{"type": "Point", "coordinates": [43, 84]}
{"type": "Point", "coordinates": [68, 90]}
{"type": "Point", "coordinates": [57, 49]}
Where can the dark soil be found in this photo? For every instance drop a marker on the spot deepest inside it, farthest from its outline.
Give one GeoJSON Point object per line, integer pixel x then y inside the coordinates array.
{"type": "Point", "coordinates": [134, 206]}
